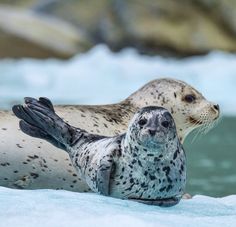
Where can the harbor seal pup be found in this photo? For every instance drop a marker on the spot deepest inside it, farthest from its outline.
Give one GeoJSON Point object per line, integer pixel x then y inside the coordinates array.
{"type": "Point", "coordinates": [28, 163]}
{"type": "Point", "coordinates": [146, 164]}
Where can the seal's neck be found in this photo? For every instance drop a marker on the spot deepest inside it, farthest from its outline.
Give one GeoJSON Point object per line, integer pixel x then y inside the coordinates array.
{"type": "Point", "coordinates": [144, 97]}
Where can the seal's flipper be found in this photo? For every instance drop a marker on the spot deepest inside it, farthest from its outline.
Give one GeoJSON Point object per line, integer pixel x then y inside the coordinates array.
{"type": "Point", "coordinates": [42, 101]}
{"type": "Point", "coordinates": [39, 133]}
{"type": "Point", "coordinates": [47, 102]}
{"type": "Point", "coordinates": [31, 130]}
{"type": "Point", "coordinates": [104, 173]}
{"type": "Point", "coordinates": [40, 120]}
{"type": "Point", "coordinates": [19, 111]}
{"type": "Point", "coordinates": [159, 202]}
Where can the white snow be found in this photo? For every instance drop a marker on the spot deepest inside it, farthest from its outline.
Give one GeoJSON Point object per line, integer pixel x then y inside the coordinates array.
{"type": "Point", "coordinates": [101, 76]}
{"type": "Point", "coordinates": [51, 208]}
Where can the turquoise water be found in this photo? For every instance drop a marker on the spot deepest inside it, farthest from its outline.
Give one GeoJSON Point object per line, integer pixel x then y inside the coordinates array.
{"type": "Point", "coordinates": [212, 160]}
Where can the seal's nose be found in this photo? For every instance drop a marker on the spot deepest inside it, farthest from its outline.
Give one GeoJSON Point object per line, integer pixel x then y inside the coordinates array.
{"type": "Point", "coordinates": [216, 107]}
{"type": "Point", "coordinates": [152, 132]}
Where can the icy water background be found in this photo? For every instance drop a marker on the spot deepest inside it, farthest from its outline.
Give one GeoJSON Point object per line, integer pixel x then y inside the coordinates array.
{"type": "Point", "coordinates": [101, 77]}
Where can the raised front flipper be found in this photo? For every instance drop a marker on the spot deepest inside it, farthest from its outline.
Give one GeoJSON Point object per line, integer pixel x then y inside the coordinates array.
{"type": "Point", "coordinates": [38, 119]}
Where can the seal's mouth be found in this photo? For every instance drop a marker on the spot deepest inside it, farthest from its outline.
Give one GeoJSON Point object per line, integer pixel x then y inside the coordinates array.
{"type": "Point", "coordinates": [194, 121]}
{"type": "Point", "coordinates": [199, 122]}
{"type": "Point", "coordinates": [167, 202]}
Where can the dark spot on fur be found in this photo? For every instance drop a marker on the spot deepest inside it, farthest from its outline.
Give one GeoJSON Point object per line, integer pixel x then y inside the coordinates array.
{"type": "Point", "coordinates": [5, 164]}
{"type": "Point", "coordinates": [139, 162]}
{"type": "Point", "coordinates": [18, 145]}
{"type": "Point", "coordinates": [162, 189]}
{"type": "Point", "coordinates": [33, 157]}
{"type": "Point", "coordinates": [166, 169]}
{"type": "Point", "coordinates": [143, 185]}
{"type": "Point", "coordinates": [175, 154]}
{"type": "Point", "coordinates": [169, 187]}
{"type": "Point", "coordinates": [34, 175]}
{"type": "Point", "coordinates": [152, 177]}
{"type": "Point", "coordinates": [156, 159]}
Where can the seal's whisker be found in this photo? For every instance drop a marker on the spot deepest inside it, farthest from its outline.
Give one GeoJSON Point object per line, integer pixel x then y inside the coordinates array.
{"type": "Point", "coordinates": [207, 125]}
{"type": "Point", "coordinates": [200, 130]}
{"type": "Point", "coordinates": [210, 125]}
{"type": "Point", "coordinates": [198, 133]}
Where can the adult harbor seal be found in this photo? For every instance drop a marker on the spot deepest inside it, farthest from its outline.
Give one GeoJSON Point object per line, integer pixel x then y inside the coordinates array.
{"type": "Point", "coordinates": [32, 164]}
{"type": "Point", "coordinates": [146, 164]}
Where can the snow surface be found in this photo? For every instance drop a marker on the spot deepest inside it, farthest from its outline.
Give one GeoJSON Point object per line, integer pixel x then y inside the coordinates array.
{"type": "Point", "coordinates": [62, 208]}
{"type": "Point", "coordinates": [101, 76]}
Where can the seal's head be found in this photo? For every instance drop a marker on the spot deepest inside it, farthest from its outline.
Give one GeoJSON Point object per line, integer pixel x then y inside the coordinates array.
{"type": "Point", "coordinates": [188, 107]}
{"type": "Point", "coordinates": [152, 127]}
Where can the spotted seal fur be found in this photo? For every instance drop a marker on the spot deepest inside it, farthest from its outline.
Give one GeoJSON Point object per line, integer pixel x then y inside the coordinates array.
{"type": "Point", "coordinates": [146, 164]}
{"type": "Point", "coordinates": [32, 164]}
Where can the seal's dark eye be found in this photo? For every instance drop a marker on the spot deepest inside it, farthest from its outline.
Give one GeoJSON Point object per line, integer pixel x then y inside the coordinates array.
{"type": "Point", "coordinates": [142, 122]}
{"type": "Point", "coordinates": [190, 98]}
{"type": "Point", "coordinates": [165, 124]}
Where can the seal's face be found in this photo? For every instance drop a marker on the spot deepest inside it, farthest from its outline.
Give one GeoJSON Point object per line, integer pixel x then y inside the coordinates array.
{"type": "Point", "coordinates": [188, 107]}
{"type": "Point", "coordinates": [152, 127]}
{"type": "Point", "coordinates": [192, 110]}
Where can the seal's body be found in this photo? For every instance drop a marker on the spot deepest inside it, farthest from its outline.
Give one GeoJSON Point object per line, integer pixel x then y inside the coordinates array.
{"type": "Point", "coordinates": [31, 164]}
{"type": "Point", "coordinates": [146, 164]}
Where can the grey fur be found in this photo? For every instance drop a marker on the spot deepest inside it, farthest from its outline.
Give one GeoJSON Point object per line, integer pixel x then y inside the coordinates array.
{"type": "Point", "coordinates": [147, 164]}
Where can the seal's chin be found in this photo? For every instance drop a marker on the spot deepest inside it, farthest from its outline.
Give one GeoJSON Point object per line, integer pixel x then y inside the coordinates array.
{"type": "Point", "coordinates": [166, 202]}
{"type": "Point", "coordinates": [152, 144]}
{"type": "Point", "coordinates": [156, 141]}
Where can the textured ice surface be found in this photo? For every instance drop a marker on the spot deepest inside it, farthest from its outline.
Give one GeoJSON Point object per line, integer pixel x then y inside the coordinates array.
{"type": "Point", "coordinates": [101, 76]}
{"type": "Point", "coordinates": [50, 208]}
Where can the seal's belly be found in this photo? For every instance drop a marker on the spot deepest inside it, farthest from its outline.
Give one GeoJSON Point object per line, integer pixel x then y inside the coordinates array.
{"type": "Point", "coordinates": [165, 181]}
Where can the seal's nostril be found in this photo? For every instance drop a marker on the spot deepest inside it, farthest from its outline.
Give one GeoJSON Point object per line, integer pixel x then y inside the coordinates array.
{"type": "Point", "coordinates": [152, 132]}
{"type": "Point", "coordinates": [216, 107]}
